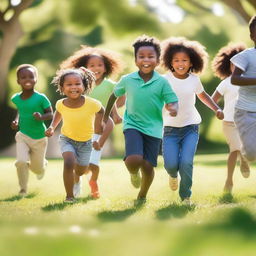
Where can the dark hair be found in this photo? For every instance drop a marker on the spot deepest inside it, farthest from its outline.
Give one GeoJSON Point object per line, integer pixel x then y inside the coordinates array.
{"type": "Point", "coordinates": [196, 52]}
{"type": "Point", "coordinates": [252, 24]}
{"type": "Point", "coordinates": [25, 66]}
{"type": "Point", "coordinates": [145, 40]}
{"type": "Point", "coordinates": [86, 75]}
{"type": "Point", "coordinates": [221, 62]}
{"type": "Point", "coordinates": [80, 58]}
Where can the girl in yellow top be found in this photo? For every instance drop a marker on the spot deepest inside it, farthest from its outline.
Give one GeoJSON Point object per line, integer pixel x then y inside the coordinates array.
{"type": "Point", "coordinates": [81, 117]}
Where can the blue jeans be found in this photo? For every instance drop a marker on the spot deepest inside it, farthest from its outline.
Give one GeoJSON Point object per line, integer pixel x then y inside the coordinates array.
{"type": "Point", "coordinates": [179, 148]}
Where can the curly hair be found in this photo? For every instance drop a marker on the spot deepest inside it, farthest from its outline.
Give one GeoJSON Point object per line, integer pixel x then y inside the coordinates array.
{"type": "Point", "coordinates": [80, 58]}
{"type": "Point", "coordinates": [145, 40]}
{"type": "Point", "coordinates": [25, 66]}
{"type": "Point", "coordinates": [252, 24]}
{"type": "Point", "coordinates": [196, 52]}
{"type": "Point", "coordinates": [221, 62]}
{"type": "Point", "coordinates": [86, 75]}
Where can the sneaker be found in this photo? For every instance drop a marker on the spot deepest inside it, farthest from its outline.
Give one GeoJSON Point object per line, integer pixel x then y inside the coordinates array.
{"type": "Point", "coordinates": [173, 183]}
{"type": "Point", "coordinates": [69, 200]}
{"type": "Point", "coordinates": [244, 167]}
{"type": "Point", "coordinates": [135, 179]}
{"type": "Point", "coordinates": [77, 188]}
{"type": "Point", "coordinates": [187, 201]}
{"type": "Point", "coordinates": [94, 189]}
{"type": "Point", "coordinates": [22, 193]}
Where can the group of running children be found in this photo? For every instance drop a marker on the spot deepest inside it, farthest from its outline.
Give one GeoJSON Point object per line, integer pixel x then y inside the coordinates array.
{"type": "Point", "coordinates": [158, 108]}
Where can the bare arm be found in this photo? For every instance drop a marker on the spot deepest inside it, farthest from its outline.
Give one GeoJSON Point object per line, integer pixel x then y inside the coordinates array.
{"type": "Point", "coordinates": [55, 121]}
{"type": "Point", "coordinates": [216, 96]}
{"type": "Point", "coordinates": [15, 123]}
{"type": "Point", "coordinates": [98, 128]}
{"type": "Point", "coordinates": [109, 106]}
{"type": "Point", "coordinates": [207, 100]}
{"type": "Point", "coordinates": [115, 116]}
{"type": "Point", "coordinates": [48, 114]}
{"type": "Point", "coordinates": [120, 101]}
{"type": "Point", "coordinates": [238, 79]}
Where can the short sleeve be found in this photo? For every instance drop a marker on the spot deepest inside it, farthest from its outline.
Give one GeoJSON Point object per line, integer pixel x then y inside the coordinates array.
{"type": "Point", "coordinates": [119, 89]}
{"type": "Point", "coordinates": [240, 60]}
{"type": "Point", "coordinates": [169, 95]}
{"type": "Point", "coordinates": [199, 87]}
{"type": "Point", "coordinates": [46, 103]}
{"type": "Point", "coordinates": [221, 88]}
{"type": "Point", "coordinates": [58, 105]}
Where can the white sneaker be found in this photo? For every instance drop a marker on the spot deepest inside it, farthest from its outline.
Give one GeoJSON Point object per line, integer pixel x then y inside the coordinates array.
{"type": "Point", "coordinates": [135, 179]}
{"type": "Point", "coordinates": [244, 167]}
{"type": "Point", "coordinates": [187, 201]}
{"type": "Point", "coordinates": [173, 183]}
{"type": "Point", "coordinates": [77, 188]}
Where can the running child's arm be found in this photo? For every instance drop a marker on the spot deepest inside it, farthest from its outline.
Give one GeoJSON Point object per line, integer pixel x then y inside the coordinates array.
{"type": "Point", "coordinates": [55, 121]}
{"type": "Point", "coordinates": [15, 123]}
{"type": "Point", "coordinates": [98, 128]}
{"type": "Point", "coordinates": [216, 96]}
{"type": "Point", "coordinates": [238, 79]}
{"type": "Point", "coordinates": [48, 114]}
{"type": "Point", "coordinates": [109, 106]}
{"type": "Point", "coordinates": [207, 100]}
{"type": "Point", "coordinates": [120, 101]}
{"type": "Point", "coordinates": [116, 117]}
{"type": "Point", "coordinates": [172, 108]}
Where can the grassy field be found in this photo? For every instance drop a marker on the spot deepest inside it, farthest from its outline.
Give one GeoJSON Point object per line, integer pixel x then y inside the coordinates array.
{"type": "Point", "coordinates": [215, 225]}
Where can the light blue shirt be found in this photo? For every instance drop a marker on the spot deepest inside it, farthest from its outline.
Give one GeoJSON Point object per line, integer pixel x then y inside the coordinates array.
{"type": "Point", "coordinates": [246, 61]}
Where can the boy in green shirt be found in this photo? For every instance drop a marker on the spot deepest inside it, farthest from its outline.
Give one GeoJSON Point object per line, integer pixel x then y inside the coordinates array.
{"type": "Point", "coordinates": [146, 92]}
{"type": "Point", "coordinates": [33, 108]}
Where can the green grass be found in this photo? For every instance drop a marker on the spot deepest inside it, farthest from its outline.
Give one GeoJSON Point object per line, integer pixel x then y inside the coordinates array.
{"type": "Point", "coordinates": [215, 225]}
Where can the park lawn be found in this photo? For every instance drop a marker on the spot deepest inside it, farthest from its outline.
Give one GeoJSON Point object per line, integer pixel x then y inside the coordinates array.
{"type": "Point", "coordinates": [215, 225]}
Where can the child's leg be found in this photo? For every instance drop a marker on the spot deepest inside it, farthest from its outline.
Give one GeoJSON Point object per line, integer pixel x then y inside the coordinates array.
{"type": "Point", "coordinates": [171, 151]}
{"type": "Point", "coordinates": [147, 172]}
{"type": "Point", "coordinates": [246, 124]}
{"type": "Point", "coordinates": [188, 150]}
{"type": "Point", "coordinates": [232, 158]}
{"type": "Point", "coordinates": [37, 156]}
{"type": "Point", "coordinates": [22, 152]}
{"type": "Point", "coordinates": [68, 172]}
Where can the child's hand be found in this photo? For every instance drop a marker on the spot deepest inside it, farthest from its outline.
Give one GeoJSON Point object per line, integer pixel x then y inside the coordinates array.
{"type": "Point", "coordinates": [172, 108]}
{"type": "Point", "coordinates": [219, 114]}
{"type": "Point", "coordinates": [49, 132]}
{"type": "Point", "coordinates": [37, 116]}
{"type": "Point", "coordinates": [14, 125]}
{"type": "Point", "coordinates": [117, 119]}
{"type": "Point", "coordinates": [96, 145]}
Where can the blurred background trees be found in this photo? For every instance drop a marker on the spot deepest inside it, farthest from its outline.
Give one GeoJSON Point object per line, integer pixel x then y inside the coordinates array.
{"type": "Point", "coordinates": [45, 32]}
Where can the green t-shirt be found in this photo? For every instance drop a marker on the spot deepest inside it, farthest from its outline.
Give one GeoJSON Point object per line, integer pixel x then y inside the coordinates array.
{"type": "Point", "coordinates": [28, 125]}
{"type": "Point", "coordinates": [102, 91]}
{"type": "Point", "coordinates": [144, 102]}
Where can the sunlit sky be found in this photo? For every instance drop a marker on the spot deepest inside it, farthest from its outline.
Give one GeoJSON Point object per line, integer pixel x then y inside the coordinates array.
{"type": "Point", "coordinates": [168, 11]}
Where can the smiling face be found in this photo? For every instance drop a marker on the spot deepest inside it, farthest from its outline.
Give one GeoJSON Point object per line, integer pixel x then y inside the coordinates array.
{"type": "Point", "coordinates": [181, 64]}
{"type": "Point", "coordinates": [27, 78]}
{"type": "Point", "coordinates": [146, 59]}
{"type": "Point", "coordinates": [73, 86]}
{"type": "Point", "coordinates": [97, 66]}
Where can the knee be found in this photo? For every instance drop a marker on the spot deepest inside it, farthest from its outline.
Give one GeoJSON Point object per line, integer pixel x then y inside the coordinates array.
{"type": "Point", "coordinates": [186, 167]}
{"type": "Point", "coordinates": [69, 164]}
{"type": "Point", "coordinates": [20, 164]}
{"type": "Point", "coordinates": [134, 161]}
{"type": "Point", "coordinates": [170, 168]}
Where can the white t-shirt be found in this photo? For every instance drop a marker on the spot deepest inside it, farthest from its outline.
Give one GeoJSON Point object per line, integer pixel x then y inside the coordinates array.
{"type": "Point", "coordinates": [246, 61]}
{"type": "Point", "coordinates": [186, 90]}
{"type": "Point", "coordinates": [230, 93]}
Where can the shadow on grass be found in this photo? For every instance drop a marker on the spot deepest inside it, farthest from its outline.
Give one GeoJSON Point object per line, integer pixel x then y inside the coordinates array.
{"type": "Point", "coordinates": [174, 210]}
{"type": "Point", "coordinates": [121, 215]}
{"type": "Point", "coordinates": [61, 206]}
{"type": "Point", "coordinates": [18, 197]}
{"type": "Point", "coordinates": [227, 198]}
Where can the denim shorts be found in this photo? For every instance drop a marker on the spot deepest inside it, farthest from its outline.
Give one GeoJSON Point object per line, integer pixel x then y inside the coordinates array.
{"type": "Point", "coordinates": [138, 143]}
{"type": "Point", "coordinates": [81, 149]}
